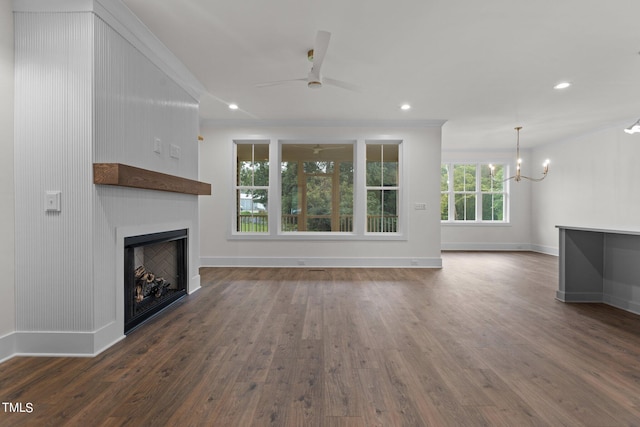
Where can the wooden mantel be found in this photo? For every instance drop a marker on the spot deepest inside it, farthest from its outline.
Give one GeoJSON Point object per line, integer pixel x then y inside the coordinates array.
{"type": "Point", "coordinates": [130, 176]}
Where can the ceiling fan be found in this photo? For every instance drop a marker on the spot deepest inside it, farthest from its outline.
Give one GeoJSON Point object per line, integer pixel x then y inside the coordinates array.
{"type": "Point", "coordinates": [317, 149]}
{"type": "Point", "coordinates": [314, 79]}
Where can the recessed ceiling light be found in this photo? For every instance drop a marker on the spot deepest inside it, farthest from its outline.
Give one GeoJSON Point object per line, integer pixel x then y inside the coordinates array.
{"type": "Point", "coordinates": [405, 107]}
{"type": "Point", "coordinates": [562, 85]}
{"type": "Point", "coordinates": [233, 106]}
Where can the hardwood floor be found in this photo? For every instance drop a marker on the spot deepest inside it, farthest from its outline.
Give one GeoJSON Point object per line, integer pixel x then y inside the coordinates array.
{"type": "Point", "coordinates": [480, 342]}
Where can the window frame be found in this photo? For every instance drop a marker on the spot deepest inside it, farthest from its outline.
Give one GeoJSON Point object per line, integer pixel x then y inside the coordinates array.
{"type": "Point", "coordinates": [310, 234]}
{"type": "Point", "coordinates": [398, 188]}
{"type": "Point", "coordinates": [477, 193]}
{"type": "Point", "coordinates": [237, 187]}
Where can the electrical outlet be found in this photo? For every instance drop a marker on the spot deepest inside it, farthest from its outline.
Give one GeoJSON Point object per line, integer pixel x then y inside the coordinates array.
{"type": "Point", "coordinates": [157, 145]}
{"type": "Point", "coordinates": [420, 206]}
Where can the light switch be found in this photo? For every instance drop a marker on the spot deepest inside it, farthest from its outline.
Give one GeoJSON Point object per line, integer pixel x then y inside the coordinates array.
{"type": "Point", "coordinates": [52, 201]}
{"type": "Point", "coordinates": [420, 206]}
{"type": "Point", "coordinates": [175, 151]}
{"type": "Point", "coordinates": [157, 145]}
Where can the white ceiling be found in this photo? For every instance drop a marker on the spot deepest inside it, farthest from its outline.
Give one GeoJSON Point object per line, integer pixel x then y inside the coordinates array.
{"type": "Point", "coordinates": [485, 66]}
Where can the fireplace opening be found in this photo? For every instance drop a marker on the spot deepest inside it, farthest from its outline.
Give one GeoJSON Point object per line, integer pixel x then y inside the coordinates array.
{"type": "Point", "coordinates": [155, 274]}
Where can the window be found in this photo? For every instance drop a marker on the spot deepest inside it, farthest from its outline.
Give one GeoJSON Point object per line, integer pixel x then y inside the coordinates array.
{"type": "Point", "coordinates": [317, 187]}
{"type": "Point", "coordinates": [470, 194]}
{"type": "Point", "coordinates": [252, 187]}
{"type": "Point", "coordinates": [320, 190]}
{"type": "Point", "coordinates": [382, 187]}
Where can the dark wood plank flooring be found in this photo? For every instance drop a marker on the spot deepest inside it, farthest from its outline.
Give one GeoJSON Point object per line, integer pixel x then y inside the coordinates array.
{"type": "Point", "coordinates": [480, 342]}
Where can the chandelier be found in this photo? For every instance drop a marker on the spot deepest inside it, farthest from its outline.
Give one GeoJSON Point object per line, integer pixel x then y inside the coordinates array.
{"type": "Point", "coordinates": [518, 177]}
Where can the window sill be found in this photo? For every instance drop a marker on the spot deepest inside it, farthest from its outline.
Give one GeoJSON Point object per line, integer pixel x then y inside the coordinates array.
{"type": "Point", "coordinates": [317, 236]}
{"type": "Point", "coordinates": [474, 224]}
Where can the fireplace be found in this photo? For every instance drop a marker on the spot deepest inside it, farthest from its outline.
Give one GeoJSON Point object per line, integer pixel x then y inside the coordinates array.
{"type": "Point", "coordinates": [155, 274]}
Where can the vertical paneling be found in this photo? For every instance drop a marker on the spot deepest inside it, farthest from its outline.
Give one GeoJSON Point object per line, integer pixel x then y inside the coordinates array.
{"type": "Point", "coordinates": [135, 103]}
{"type": "Point", "coordinates": [53, 111]}
{"type": "Point", "coordinates": [84, 95]}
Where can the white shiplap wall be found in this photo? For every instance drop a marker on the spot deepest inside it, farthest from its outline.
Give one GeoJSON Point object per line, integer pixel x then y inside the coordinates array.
{"type": "Point", "coordinates": [85, 95]}
{"type": "Point", "coordinates": [53, 152]}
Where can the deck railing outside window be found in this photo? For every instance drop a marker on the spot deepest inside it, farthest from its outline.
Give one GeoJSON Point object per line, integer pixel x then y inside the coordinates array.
{"type": "Point", "coordinates": [375, 223]}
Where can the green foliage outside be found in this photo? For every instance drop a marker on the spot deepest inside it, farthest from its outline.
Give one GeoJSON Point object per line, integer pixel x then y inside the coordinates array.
{"type": "Point", "coordinates": [464, 187]}
{"type": "Point", "coordinates": [381, 179]}
{"type": "Point", "coordinates": [319, 189]}
{"type": "Point", "coordinates": [382, 202]}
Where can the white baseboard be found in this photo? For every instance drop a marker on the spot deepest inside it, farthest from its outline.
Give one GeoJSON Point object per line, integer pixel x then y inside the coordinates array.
{"type": "Point", "coordinates": [321, 262]}
{"type": "Point", "coordinates": [485, 246]}
{"type": "Point", "coordinates": [194, 284]}
{"type": "Point", "coordinates": [548, 250]}
{"type": "Point", "coordinates": [7, 346]}
{"type": "Point", "coordinates": [58, 344]}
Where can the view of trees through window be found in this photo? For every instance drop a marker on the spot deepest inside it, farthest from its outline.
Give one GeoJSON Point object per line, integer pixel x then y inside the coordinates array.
{"type": "Point", "coordinates": [317, 192]}
{"type": "Point", "coordinates": [470, 193]}
{"type": "Point", "coordinates": [252, 187]}
{"type": "Point", "coordinates": [317, 187]}
{"type": "Point", "coordinates": [382, 187]}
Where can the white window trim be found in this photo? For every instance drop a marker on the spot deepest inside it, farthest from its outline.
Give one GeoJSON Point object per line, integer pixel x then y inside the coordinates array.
{"type": "Point", "coordinates": [234, 187]}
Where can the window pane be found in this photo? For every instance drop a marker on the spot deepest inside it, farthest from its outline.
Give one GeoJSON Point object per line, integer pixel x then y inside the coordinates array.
{"type": "Point", "coordinates": [245, 166]}
{"type": "Point", "coordinates": [382, 211]}
{"type": "Point", "coordinates": [253, 165]}
{"type": "Point", "coordinates": [495, 184]}
{"type": "Point", "coordinates": [465, 207]}
{"type": "Point", "coordinates": [374, 165]}
{"type": "Point", "coordinates": [245, 173]}
{"type": "Point", "coordinates": [390, 165]}
{"type": "Point", "coordinates": [492, 207]}
{"type": "Point", "coordinates": [444, 207]}
{"type": "Point", "coordinates": [444, 178]}
{"type": "Point", "coordinates": [317, 187]}
{"type": "Point", "coordinates": [261, 164]}
{"type": "Point", "coordinates": [382, 165]}
{"type": "Point", "coordinates": [252, 211]}
{"type": "Point", "coordinates": [464, 177]}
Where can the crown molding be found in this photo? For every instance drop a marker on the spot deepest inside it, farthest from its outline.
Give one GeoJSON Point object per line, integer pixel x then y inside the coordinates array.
{"type": "Point", "coordinates": [326, 123]}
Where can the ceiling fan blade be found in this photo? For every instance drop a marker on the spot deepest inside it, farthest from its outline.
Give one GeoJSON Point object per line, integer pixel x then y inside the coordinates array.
{"type": "Point", "coordinates": [341, 84]}
{"type": "Point", "coordinates": [281, 82]}
{"type": "Point", "coordinates": [320, 50]}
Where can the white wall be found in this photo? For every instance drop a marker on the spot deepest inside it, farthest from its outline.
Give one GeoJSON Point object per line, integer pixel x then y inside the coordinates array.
{"type": "Point", "coordinates": [421, 148]}
{"type": "Point", "coordinates": [7, 254]}
{"type": "Point", "coordinates": [516, 235]}
{"type": "Point", "coordinates": [591, 183]}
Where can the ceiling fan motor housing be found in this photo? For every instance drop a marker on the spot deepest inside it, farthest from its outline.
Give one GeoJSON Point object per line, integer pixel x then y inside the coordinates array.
{"type": "Point", "coordinates": [314, 81]}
